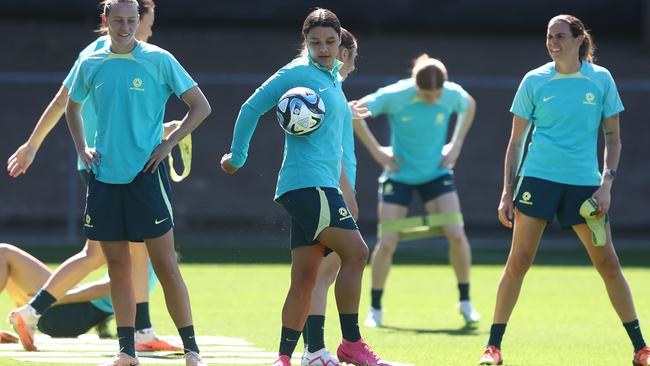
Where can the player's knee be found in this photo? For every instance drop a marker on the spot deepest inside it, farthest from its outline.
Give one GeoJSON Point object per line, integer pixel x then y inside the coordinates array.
{"type": "Point", "coordinates": [455, 234]}
{"type": "Point", "coordinates": [387, 245]}
{"type": "Point", "coordinates": [303, 280]}
{"type": "Point", "coordinates": [519, 264]}
{"type": "Point", "coordinates": [608, 267]}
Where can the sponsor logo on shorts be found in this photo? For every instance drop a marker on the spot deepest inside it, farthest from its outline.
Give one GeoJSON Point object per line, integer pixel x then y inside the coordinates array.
{"type": "Point", "coordinates": [344, 213]}
{"type": "Point", "coordinates": [158, 222]}
{"type": "Point", "coordinates": [590, 99]}
{"type": "Point", "coordinates": [525, 198]}
{"type": "Point", "coordinates": [87, 220]}
{"type": "Point", "coordinates": [137, 85]}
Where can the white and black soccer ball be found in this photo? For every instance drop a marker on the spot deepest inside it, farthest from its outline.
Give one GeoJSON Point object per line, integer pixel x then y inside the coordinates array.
{"type": "Point", "coordinates": [300, 111]}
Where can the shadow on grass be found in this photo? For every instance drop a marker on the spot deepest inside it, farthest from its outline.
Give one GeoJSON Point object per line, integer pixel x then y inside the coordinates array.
{"type": "Point", "coordinates": [463, 331]}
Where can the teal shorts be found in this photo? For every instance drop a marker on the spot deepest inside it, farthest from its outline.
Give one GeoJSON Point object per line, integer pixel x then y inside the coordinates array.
{"type": "Point", "coordinates": [544, 199]}
{"type": "Point", "coordinates": [133, 211]}
{"type": "Point", "coordinates": [70, 320]}
{"type": "Point", "coordinates": [312, 210]}
{"type": "Point", "coordinates": [398, 193]}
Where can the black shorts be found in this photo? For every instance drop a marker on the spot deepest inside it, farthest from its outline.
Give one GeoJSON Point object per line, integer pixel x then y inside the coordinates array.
{"type": "Point", "coordinates": [70, 320]}
{"type": "Point", "coordinates": [398, 193]}
{"type": "Point", "coordinates": [544, 199]}
{"type": "Point", "coordinates": [133, 211]}
{"type": "Point", "coordinates": [312, 210]}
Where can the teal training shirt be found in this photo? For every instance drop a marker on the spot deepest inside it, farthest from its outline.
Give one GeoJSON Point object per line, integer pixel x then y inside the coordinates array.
{"type": "Point", "coordinates": [566, 111]}
{"type": "Point", "coordinates": [87, 111]}
{"type": "Point", "coordinates": [418, 129]}
{"type": "Point", "coordinates": [349, 157]}
{"type": "Point", "coordinates": [129, 93]}
{"type": "Point", "coordinates": [309, 161]}
{"type": "Point", "coordinates": [105, 304]}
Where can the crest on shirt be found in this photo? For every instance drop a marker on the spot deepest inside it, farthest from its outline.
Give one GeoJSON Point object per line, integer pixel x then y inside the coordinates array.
{"type": "Point", "coordinates": [590, 99]}
{"type": "Point", "coordinates": [137, 85]}
{"type": "Point", "coordinates": [440, 118]}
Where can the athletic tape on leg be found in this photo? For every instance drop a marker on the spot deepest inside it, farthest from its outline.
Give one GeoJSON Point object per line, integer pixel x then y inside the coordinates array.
{"type": "Point", "coordinates": [420, 227]}
{"type": "Point", "coordinates": [185, 146]}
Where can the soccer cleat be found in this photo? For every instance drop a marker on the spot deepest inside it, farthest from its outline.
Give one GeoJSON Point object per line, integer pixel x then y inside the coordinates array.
{"type": "Point", "coordinates": [193, 359]}
{"type": "Point", "coordinates": [596, 223]}
{"type": "Point", "coordinates": [6, 337]}
{"type": "Point", "coordinates": [146, 340]}
{"type": "Point", "coordinates": [468, 312]}
{"type": "Point", "coordinates": [642, 358]}
{"type": "Point", "coordinates": [373, 320]}
{"type": "Point", "coordinates": [122, 359]}
{"type": "Point", "coordinates": [24, 320]}
{"type": "Point", "coordinates": [322, 357]}
{"type": "Point", "coordinates": [358, 353]}
{"type": "Point", "coordinates": [283, 360]}
{"type": "Point", "coordinates": [491, 356]}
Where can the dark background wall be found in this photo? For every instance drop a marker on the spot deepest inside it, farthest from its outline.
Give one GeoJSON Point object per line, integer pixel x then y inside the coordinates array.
{"type": "Point", "coordinates": [231, 47]}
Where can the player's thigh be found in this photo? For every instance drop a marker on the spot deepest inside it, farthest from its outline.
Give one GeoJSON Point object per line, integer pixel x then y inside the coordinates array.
{"type": "Point", "coordinates": [347, 243]}
{"type": "Point", "coordinates": [447, 203]}
{"type": "Point", "coordinates": [26, 273]}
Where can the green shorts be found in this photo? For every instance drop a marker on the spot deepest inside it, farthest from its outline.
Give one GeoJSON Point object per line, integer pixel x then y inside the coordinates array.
{"type": "Point", "coordinates": [70, 320]}
{"type": "Point", "coordinates": [312, 210]}
{"type": "Point", "coordinates": [544, 199]}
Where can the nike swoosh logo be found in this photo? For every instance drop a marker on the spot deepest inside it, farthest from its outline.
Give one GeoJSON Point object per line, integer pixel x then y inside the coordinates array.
{"type": "Point", "coordinates": [98, 85]}
{"type": "Point", "coordinates": [447, 183]}
{"type": "Point", "coordinates": [320, 90]}
{"type": "Point", "coordinates": [160, 221]}
{"type": "Point", "coordinates": [407, 119]}
{"type": "Point", "coordinates": [546, 99]}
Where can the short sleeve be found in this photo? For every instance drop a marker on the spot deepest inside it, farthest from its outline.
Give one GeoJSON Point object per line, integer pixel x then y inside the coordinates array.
{"type": "Point", "coordinates": [378, 102]}
{"type": "Point", "coordinates": [523, 105]}
{"type": "Point", "coordinates": [461, 100]}
{"type": "Point", "coordinates": [79, 88]}
{"type": "Point", "coordinates": [175, 76]}
{"type": "Point", "coordinates": [67, 82]}
{"type": "Point", "coordinates": [612, 103]}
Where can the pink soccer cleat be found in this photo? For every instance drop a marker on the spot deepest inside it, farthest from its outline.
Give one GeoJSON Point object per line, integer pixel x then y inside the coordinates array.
{"type": "Point", "coordinates": [358, 353]}
{"type": "Point", "coordinates": [283, 360]}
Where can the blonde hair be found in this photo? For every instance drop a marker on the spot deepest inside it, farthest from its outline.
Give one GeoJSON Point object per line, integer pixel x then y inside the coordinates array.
{"type": "Point", "coordinates": [429, 73]}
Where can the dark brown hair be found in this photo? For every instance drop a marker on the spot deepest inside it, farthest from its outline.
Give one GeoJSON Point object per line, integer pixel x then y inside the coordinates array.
{"type": "Point", "coordinates": [587, 48]}
{"type": "Point", "coordinates": [144, 7]}
{"type": "Point", "coordinates": [321, 18]}
{"type": "Point", "coordinates": [429, 73]}
{"type": "Point", "coordinates": [348, 40]}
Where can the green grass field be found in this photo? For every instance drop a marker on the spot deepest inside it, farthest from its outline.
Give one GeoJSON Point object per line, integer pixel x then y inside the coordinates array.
{"type": "Point", "coordinates": [563, 316]}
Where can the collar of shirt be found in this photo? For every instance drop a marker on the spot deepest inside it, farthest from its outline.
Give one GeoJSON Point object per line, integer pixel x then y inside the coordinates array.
{"type": "Point", "coordinates": [334, 71]}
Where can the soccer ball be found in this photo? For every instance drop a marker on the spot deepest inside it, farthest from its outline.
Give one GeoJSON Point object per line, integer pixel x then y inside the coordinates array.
{"type": "Point", "coordinates": [300, 111]}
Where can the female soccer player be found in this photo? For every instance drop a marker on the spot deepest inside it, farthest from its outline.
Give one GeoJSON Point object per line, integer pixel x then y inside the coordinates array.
{"type": "Point", "coordinates": [419, 109]}
{"type": "Point", "coordinates": [308, 189]}
{"type": "Point", "coordinates": [78, 266]}
{"type": "Point", "coordinates": [566, 101]}
{"type": "Point", "coordinates": [129, 83]}
{"type": "Point", "coordinates": [75, 313]}
{"type": "Point", "coordinates": [315, 352]}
